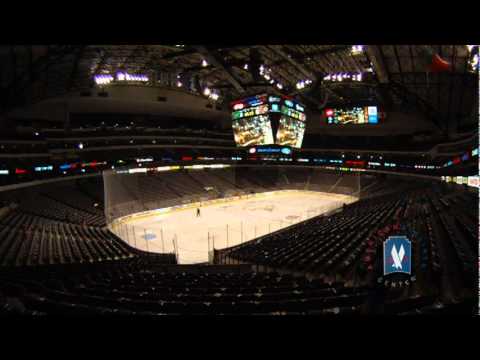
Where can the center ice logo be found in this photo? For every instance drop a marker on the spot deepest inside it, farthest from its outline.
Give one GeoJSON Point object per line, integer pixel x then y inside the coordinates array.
{"type": "Point", "coordinates": [397, 251]}
{"type": "Point", "coordinates": [149, 236]}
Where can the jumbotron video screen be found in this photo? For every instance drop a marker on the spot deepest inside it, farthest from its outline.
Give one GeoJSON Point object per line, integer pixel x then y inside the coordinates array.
{"type": "Point", "coordinates": [290, 132]}
{"type": "Point", "coordinates": [268, 119]}
{"type": "Point", "coordinates": [354, 115]}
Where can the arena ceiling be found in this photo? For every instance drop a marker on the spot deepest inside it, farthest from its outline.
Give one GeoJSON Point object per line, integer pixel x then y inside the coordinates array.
{"type": "Point", "coordinates": [394, 76]}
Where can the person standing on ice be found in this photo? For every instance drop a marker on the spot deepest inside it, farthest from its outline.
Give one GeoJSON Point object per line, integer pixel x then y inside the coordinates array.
{"type": "Point", "coordinates": [198, 212]}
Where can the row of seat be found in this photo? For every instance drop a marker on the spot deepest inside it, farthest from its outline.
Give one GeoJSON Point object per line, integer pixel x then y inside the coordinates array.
{"type": "Point", "coordinates": [37, 204]}
{"type": "Point", "coordinates": [27, 240]}
{"type": "Point", "coordinates": [139, 289]}
{"type": "Point", "coordinates": [431, 247]}
{"type": "Point", "coordinates": [319, 245]}
{"type": "Point", "coordinates": [465, 256]}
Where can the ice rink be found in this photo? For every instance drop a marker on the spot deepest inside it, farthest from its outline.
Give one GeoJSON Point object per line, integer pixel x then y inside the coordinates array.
{"type": "Point", "coordinates": [223, 224]}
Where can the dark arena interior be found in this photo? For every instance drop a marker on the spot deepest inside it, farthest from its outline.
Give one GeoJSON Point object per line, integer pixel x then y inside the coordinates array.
{"type": "Point", "coordinates": [150, 180]}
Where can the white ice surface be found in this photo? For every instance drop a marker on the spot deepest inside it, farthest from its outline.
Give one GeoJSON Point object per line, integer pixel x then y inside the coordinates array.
{"type": "Point", "coordinates": [242, 220]}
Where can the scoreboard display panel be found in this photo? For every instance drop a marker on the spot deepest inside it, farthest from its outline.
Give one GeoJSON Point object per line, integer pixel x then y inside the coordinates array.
{"type": "Point", "coordinates": [290, 132]}
{"type": "Point", "coordinates": [257, 110]}
{"type": "Point", "coordinates": [255, 130]}
{"type": "Point", "coordinates": [355, 115]}
{"type": "Point", "coordinates": [267, 120]}
{"type": "Point", "coordinates": [292, 113]}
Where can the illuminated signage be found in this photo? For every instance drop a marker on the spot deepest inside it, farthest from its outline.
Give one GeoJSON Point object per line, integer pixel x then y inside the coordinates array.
{"type": "Point", "coordinates": [303, 160]}
{"type": "Point", "coordinates": [374, 163]}
{"type": "Point", "coordinates": [43, 168]}
{"type": "Point", "coordinates": [270, 150]}
{"type": "Point", "coordinates": [293, 113]}
{"type": "Point", "coordinates": [258, 110]}
{"type": "Point", "coordinates": [4, 172]}
{"type": "Point", "coordinates": [372, 115]}
{"type": "Point", "coordinates": [186, 158]}
{"type": "Point", "coordinates": [255, 103]}
{"type": "Point", "coordinates": [140, 170]}
{"type": "Point", "coordinates": [255, 100]}
{"type": "Point", "coordinates": [273, 99]}
{"type": "Point", "coordinates": [165, 168]}
{"type": "Point", "coordinates": [336, 161]}
{"type": "Point", "coordinates": [475, 152]}
{"type": "Point", "coordinates": [355, 115]}
{"type": "Point", "coordinates": [473, 181]}
{"type": "Point", "coordinates": [20, 171]}
{"type": "Point", "coordinates": [355, 163]}
{"type": "Point", "coordinates": [160, 168]}
{"type": "Point", "coordinates": [144, 160]}
{"type": "Point", "coordinates": [94, 163]}
{"type": "Point", "coordinates": [213, 166]}
{"type": "Point", "coordinates": [249, 102]}
{"type": "Point", "coordinates": [299, 108]}
{"type": "Point", "coordinates": [289, 103]}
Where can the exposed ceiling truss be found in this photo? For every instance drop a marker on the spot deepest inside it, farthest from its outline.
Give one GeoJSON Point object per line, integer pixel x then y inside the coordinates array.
{"type": "Point", "coordinates": [395, 76]}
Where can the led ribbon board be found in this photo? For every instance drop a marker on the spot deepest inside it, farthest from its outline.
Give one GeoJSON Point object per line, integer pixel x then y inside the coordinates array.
{"type": "Point", "coordinates": [43, 168]}
{"type": "Point", "coordinates": [270, 150]}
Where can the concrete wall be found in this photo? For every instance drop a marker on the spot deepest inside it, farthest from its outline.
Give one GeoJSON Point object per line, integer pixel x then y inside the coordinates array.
{"type": "Point", "coordinates": [129, 100]}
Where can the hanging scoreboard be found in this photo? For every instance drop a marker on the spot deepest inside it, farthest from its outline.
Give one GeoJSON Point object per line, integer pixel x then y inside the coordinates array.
{"type": "Point", "coordinates": [268, 119]}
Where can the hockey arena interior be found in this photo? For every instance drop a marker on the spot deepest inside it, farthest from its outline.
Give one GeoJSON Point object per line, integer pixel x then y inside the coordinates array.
{"type": "Point", "coordinates": [148, 180]}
